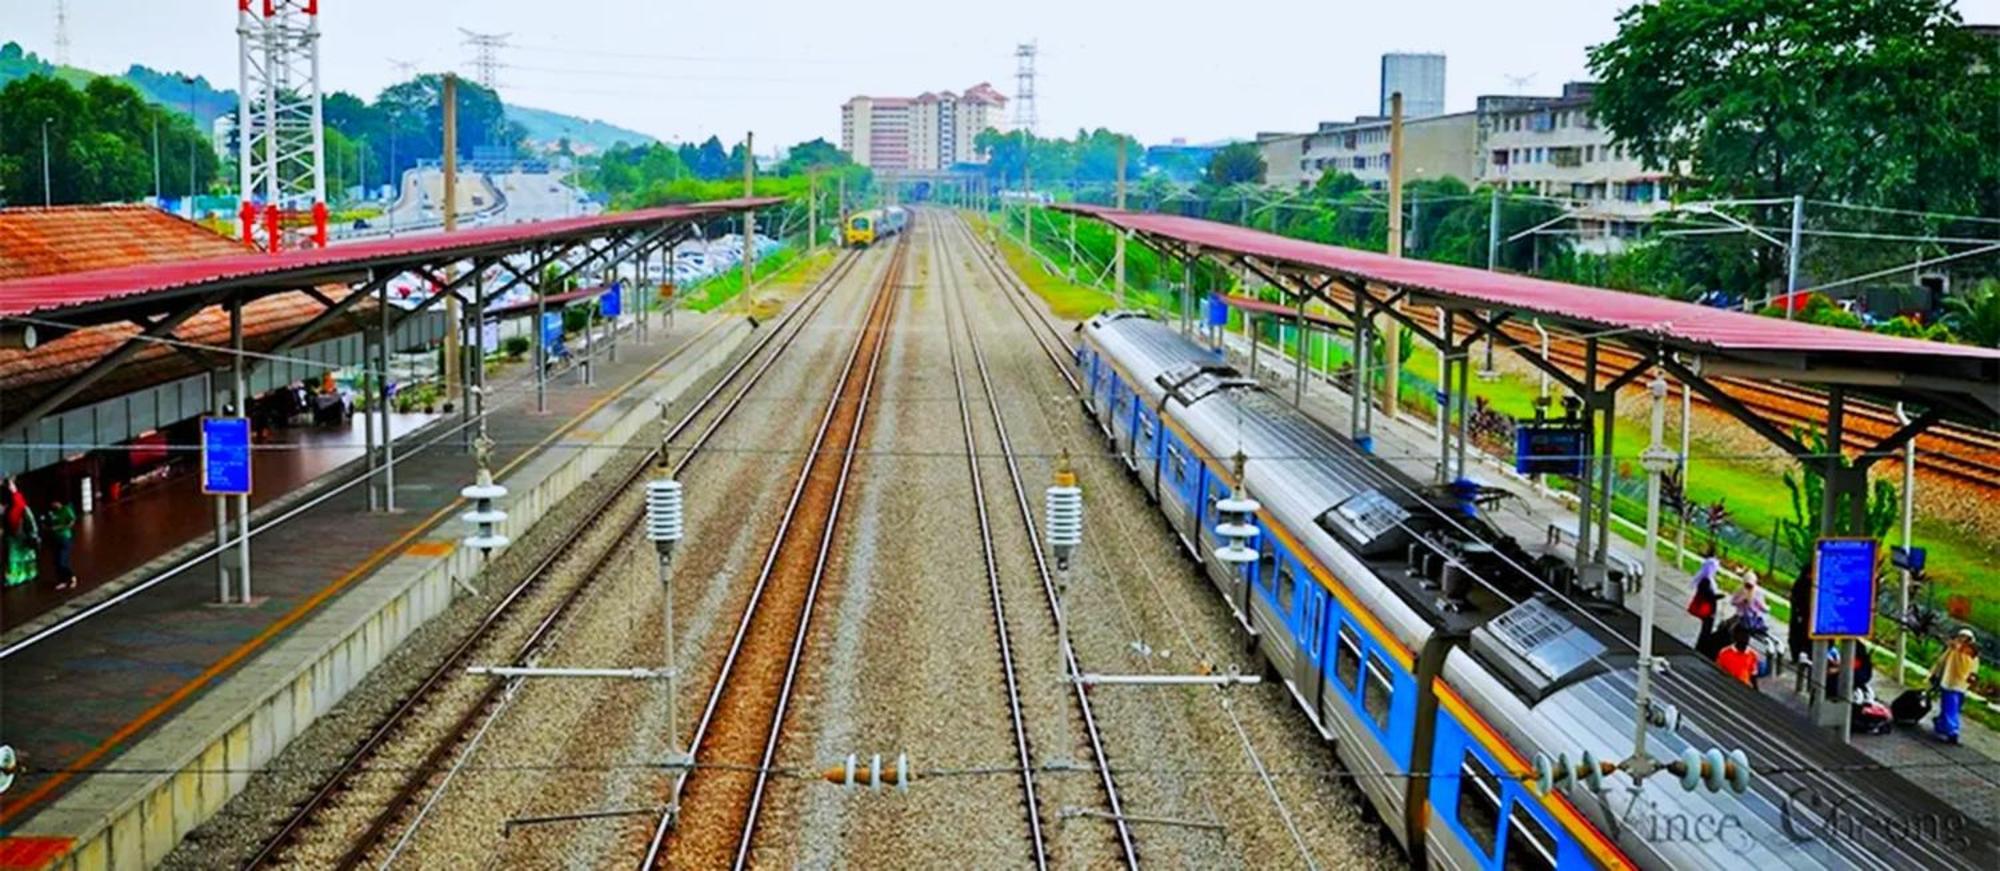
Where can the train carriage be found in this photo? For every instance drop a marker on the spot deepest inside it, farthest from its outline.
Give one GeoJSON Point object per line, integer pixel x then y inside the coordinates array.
{"type": "Point", "coordinates": [1436, 690]}
{"type": "Point", "coordinates": [866, 228]}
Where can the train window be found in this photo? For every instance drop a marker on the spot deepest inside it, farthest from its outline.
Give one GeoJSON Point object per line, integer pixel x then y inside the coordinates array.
{"type": "Point", "coordinates": [1375, 698]}
{"type": "Point", "coordinates": [1267, 559]}
{"type": "Point", "coordinates": [1478, 803]}
{"type": "Point", "coordinates": [1347, 661]}
{"type": "Point", "coordinates": [1180, 464]}
{"type": "Point", "coordinates": [1214, 516]}
{"type": "Point", "coordinates": [1529, 846]}
{"type": "Point", "coordinates": [1285, 583]}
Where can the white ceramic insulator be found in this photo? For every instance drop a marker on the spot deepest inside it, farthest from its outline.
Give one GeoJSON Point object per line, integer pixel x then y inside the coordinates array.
{"type": "Point", "coordinates": [664, 524]}
{"type": "Point", "coordinates": [1236, 554]}
{"type": "Point", "coordinates": [1238, 506]}
{"type": "Point", "coordinates": [1063, 508]}
{"type": "Point", "coordinates": [484, 517]}
{"type": "Point", "coordinates": [1236, 530]}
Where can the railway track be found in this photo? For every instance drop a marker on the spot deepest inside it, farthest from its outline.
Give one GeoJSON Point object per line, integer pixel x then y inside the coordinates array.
{"type": "Point", "coordinates": [1959, 453]}
{"type": "Point", "coordinates": [1024, 757]}
{"type": "Point", "coordinates": [1047, 337]}
{"type": "Point", "coordinates": [712, 812]}
{"type": "Point", "coordinates": [418, 706]}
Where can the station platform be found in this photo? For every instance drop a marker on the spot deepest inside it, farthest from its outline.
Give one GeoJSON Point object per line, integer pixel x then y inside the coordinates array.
{"type": "Point", "coordinates": [154, 521]}
{"type": "Point", "coordinates": [168, 669]}
{"type": "Point", "coordinates": [1965, 776]}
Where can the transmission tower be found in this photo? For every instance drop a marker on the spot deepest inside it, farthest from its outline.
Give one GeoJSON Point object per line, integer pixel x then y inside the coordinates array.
{"type": "Point", "coordinates": [1024, 87]}
{"type": "Point", "coordinates": [405, 69]}
{"type": "Point", "coordinates": [62, 33]}
{"type": "Point", "coordinates": [486, 56]}
{"type": "Point", "coordinates": [281, 134]}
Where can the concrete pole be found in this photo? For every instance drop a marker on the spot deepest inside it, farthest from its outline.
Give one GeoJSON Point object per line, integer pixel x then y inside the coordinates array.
{"type": "Point", "coordinates": [840, 210]}
{"type": "Point", "coordinates": [1464, 412]}
{"type": "Point", "coordinates": [469, 354]}
{"type": "Point", "coordinates": [1681, 535]}
{"type": "Point", "coordinates": [1909, 517]}
{"type": "Point", "coordinates": [388, 431]}
{"type": "Point", "coordinates": [478, 375]}
{"type": "Point", "coordinates": [1072, 247]}
{"type": "Point", "coordinates": [1493, 234]}
{"type": "Point", "coordinates": [1446, 321]}
{"type": "Point", "coordinates": [1392, 330]}
{"type": "Point", "coordinates": [1118, 235]}
{"type": "Point", "coordinates": [749, 218]}
{"type": "Point", "coordinates": [242, 412]}
{"type": "Point", "coordinates": [1299, 352]}
{"type": "Point", "coordinates": [364, 395]}
{"type": "Point", "coordinates": [1027, 185]}
{"type": "Point", "coordinates": [812, 213]}
{"type": "Point", "coordinates": [541, 350]}
{"type": "Point", "coordinates": [1655, 463]}
{"type": "Point", "coordinates": [1792, 252]}
{"type": "Point", "coordinates": [223, 589]}
{"type": "Point", "coordinates": [451, 315]}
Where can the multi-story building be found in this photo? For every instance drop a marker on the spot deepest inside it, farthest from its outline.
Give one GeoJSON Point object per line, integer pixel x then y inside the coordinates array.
{"type": "Point", "coordinates": [1547, 146]}
{"type": "Point", "coordinates": [1434, 147]}
{"type": "Point", "coordinates": [931, 131]}
{"type": "Point", "coordinates": [1420, 78]}
{"type": "Point", "coordinates": [1554, 147]}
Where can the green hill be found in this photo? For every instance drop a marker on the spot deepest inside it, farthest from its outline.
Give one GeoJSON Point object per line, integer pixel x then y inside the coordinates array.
{"type": "Point", "coordinates": [544, 128]}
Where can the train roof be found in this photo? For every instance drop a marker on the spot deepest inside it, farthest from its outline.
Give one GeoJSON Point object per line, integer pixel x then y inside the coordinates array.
{"type": "Point", "coordinates": [1565, 669]}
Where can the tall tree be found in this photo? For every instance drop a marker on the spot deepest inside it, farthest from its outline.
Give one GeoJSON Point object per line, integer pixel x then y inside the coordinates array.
{"type": "Point", "coordinates": [1884, 102]}
{"type": "Point", "coordinates": [1236, 163]}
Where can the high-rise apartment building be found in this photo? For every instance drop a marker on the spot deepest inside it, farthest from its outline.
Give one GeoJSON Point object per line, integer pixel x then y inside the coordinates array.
{"type": "Point", "coordinates": [1420, 77]}
{"type": "Point", "coordinates": [931, 131]}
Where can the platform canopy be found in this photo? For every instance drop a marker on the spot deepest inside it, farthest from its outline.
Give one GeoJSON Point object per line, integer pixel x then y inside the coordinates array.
{"type": "Point", "coordinates": [1960, 381]}
{"type": "Point", "coordinates": [123, 293]}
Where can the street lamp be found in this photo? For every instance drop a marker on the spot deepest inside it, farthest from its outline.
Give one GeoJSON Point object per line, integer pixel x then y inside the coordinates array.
{"type": "Point", "coordinates": [46, 199]}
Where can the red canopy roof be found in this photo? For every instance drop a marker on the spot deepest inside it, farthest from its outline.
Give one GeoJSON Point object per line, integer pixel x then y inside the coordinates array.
{"type": "Point", "coordinates": [1604, 310]}
{"type": "Point", "coordinates": [52, 294]}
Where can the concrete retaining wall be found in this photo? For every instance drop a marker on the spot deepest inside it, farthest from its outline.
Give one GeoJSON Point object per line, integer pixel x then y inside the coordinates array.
{"type": "Point", "coordinates": [211, 748]}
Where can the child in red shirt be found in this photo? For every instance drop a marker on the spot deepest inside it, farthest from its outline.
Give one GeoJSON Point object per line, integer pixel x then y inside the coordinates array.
{"type": "Point", "coordinates": [1738, 660]}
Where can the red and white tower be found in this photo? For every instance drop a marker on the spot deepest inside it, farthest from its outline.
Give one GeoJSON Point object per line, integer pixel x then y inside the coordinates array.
{"type": "Point", "coordinates": [281, 135]}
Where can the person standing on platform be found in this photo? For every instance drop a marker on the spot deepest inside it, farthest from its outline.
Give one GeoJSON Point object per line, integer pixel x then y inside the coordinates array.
{"type": "Point", "coordinates": [61, 523]}
{"type": "Point", "coordinates": [23, 539]}
{"type": "Point", "coordinates": [1952, 678]}
{"type": "Point", "coordinates": [1751, 609]}
{"type": "Point", "coordinates": [1706, 597]}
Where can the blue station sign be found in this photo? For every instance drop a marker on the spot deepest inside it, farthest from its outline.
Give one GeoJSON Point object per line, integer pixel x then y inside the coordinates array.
{"type": "Point", "coordinates": [225, 456]}
{"type": "Point", "coordinates": [1843, 595]}
{"type": "Point", "coordinates": [612, 302]}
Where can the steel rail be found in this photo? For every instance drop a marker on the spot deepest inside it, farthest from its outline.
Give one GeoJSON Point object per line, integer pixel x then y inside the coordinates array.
{"type": "Point", "coordinates": [1024, 758]}
{"type": "Point", "coordinates": [1129, 852]}
{"type": "Point", "coordinates": [302, 816]}
{"type": "Point", "coordinates": [665, 826]}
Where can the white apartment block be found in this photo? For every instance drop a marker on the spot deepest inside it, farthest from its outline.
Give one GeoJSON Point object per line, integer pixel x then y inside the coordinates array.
{"type": "Point", "coordinates": [1546, 146]}
{"type": "Point", "coordinates": [1553, 147]}
{"type": "Point", "coordinates": [931, 131]}
{"type": "Point", "coordinates": [1435, 147]}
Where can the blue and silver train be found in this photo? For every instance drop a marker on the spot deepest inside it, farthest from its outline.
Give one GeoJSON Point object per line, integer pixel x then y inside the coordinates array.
{"type": "Point", "coordinates": [1415, 638]}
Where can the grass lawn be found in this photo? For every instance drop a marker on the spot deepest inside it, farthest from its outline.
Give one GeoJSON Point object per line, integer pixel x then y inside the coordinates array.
{"type": "Point", "coordinates": [713, 292]}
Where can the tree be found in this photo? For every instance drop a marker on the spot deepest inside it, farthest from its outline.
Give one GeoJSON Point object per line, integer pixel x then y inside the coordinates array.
{"type": "Point", "coordinates": [1235, 164]}
{"type": "Point", "coordinates": [816, 154]}
{"type": "Point", "coordinates": [100, 143]}
{"type": "Point", "coordinates": [1800, 534]}
{"type": "Point", "coordinates": [1883, 102]}
{"type": "Point", "coordinates": [1974, 315]}
{"type": "Point", "coordinates": [415, 112]}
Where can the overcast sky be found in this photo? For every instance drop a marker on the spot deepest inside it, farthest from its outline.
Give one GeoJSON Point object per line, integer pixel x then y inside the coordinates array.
{"type": "Point", "coordinates": [1159, 69]}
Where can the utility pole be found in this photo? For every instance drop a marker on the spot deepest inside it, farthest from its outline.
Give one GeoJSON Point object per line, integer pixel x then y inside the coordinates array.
{"type": "Point", "coordinates": [840, 208]}
{"type": "Point", "coordinates": [812, 212]}
{"type": "Point", "coordinates": [156, 158]}
{"type": "Point", "coordinates": [749, 217]}
{"type": "Point", "coordinates": [1118, 235]}
{"type": "Point", "coordinates": [47, 199]}
{"type": "Point", "coordinates": [451, 318]}
{"type": "Point", "coordinates": [1392, 329]}
{"type": "Point", "coordinates": [1027, 185]}
{"type": "Point", "coordinates": [1792, 258]}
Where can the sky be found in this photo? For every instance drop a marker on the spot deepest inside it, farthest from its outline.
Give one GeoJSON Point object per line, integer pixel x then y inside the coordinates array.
{"type": "Point", "coordinates": [1160, 70]}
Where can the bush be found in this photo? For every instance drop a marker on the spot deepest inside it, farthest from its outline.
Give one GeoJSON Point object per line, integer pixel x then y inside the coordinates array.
{"type": "Point", "coordinates": [515, 346]}
{"type": "Point", "coordinates": [575, 318]}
